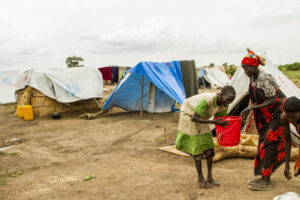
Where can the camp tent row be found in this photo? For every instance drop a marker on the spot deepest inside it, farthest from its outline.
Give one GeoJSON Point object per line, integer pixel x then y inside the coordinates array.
{"type": "Point", "coordinates": [212, 77]}
{"type": "Point", "coordinates": [164, 84]}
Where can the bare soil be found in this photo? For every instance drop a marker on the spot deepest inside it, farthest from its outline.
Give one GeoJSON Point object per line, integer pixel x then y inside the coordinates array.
{"type": "Point", "coordinates": [53, 156]}
{"type": "Point", "coordinates": [296, 82]}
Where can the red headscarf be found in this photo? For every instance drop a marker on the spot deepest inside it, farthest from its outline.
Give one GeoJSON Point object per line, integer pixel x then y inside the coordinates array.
{"type": "Point", "coordinates": [252, 59]}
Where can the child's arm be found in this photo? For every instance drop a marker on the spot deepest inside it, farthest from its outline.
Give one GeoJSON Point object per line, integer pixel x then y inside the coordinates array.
{"type": "Point", "coordinates": [199, 119]}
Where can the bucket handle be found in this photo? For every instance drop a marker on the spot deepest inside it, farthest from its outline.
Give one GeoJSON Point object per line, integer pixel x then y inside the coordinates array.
{"type": "Point", "coordinates": [220, 134]}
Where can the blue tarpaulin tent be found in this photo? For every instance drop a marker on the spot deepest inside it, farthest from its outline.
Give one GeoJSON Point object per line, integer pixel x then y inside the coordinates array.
{"type": "Point", "coordinates": [162, 87]}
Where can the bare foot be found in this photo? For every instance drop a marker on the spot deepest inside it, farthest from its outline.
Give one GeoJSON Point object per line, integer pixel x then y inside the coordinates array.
{"type": "Point", "coordinates": [213, 182]}
{"type": "Point", "coordinates": [203, 184]}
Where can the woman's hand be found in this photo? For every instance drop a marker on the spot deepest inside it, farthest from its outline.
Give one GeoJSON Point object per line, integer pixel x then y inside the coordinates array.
{"type": "Point", "coordinates": [245, 113]}
{"type": "Point", "coordinates": [224, 124]}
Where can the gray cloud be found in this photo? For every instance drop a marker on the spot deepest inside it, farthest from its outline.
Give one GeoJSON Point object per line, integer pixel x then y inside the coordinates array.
{"type": "Point", "coordinates": [44, 33]}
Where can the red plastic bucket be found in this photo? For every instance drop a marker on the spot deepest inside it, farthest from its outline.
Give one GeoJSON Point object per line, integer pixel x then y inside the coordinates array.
{"type": "Point", "coordinates": [229, 136]}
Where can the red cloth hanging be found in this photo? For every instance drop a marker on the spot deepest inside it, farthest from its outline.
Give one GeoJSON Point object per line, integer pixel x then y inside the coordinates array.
{"type": "Point", "coordinates": [106, 73]}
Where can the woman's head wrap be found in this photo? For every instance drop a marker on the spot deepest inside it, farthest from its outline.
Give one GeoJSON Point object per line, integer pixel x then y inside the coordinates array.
{"type": "Point", "coordinates": [291, 105]}
{"type": "Point", "coordinates": [252, 59]}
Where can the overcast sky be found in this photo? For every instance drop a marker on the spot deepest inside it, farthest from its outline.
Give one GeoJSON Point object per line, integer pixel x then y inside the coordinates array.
{"type": "Point", "coordinates": [42, 33]}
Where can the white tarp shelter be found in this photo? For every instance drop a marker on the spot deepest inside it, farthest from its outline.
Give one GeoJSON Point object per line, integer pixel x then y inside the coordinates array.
{"type": "Point", "coordinates": [241, 82]}
{"type": "Point", "coordinates": [214, 76]}
{"type": "Point", "coordinates": [64, 85]}
{"type": "Point", "coordinates": [8, 81]}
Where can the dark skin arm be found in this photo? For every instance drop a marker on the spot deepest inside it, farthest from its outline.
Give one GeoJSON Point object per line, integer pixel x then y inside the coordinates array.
{"type": "Point", "coordinates": [287, 145]}
{"type": "Point", "coordinates": [268, 102]}
{"type": "Point", "coordinates": [199, 119]}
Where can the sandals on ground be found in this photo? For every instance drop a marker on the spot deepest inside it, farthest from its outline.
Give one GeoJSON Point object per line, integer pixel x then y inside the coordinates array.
{"type": "Point", "coordinates": [260, 187]}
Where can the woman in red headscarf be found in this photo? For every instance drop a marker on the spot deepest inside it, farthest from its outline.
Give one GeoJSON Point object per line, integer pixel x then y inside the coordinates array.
{"type": "Point", "coordinates": [266, 101]}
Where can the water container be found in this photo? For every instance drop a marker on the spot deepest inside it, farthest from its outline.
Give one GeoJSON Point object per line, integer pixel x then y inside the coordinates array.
{"type": "Point", "coordinates": [28, 113]}
{"type": "Point", "coordinates": [229, 136]}
{"type": "Point", "coordinates": [20, 111]}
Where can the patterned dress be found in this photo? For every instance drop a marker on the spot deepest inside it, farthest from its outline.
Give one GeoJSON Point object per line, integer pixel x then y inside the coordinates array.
{"type": "Point", "coordinates": [195, 138]}
{"type": "Point", "coordinates": [270, 154]}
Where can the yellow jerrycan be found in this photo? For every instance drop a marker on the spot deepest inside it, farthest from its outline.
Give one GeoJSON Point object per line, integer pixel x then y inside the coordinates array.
{"type": "Point", "coordinates": [20, 111]}
{"type": "Point", "coordinates": [28, 113]}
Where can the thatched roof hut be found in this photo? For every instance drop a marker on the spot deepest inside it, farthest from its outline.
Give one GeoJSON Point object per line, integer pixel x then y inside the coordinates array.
{"type": "Point", "coordinates": [44, 106]}
{"type": "Point", "coordinates": [60, 90]}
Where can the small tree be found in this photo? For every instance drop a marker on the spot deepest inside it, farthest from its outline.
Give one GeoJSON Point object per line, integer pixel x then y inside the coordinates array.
{"type": "Point", "coordinates": [225, 64]}
{"type": "Point", "coordinates": [211, 65]}
{"type": "Point", "coordinates": [74, 61]}
{"type": "Point", "coordinates": [230, 70]}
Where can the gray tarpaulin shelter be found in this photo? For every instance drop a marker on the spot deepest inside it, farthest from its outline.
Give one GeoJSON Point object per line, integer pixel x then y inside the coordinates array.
{"type": "Point", "coordinates": [212, 77]}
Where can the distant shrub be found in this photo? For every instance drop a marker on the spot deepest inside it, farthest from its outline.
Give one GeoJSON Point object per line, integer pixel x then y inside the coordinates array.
{"type": "Point", "coordinates": [290, 67]}
{"type": "Point", "coordinates": [231, 69]}
{"type": "Point", "coordinates": [281, 68]}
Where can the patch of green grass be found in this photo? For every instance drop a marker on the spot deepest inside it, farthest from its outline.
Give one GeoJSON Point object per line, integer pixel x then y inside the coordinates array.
{"type": "Point", "coordinates": [161, 139]}
{"type": "Point", "coordinates": [87, 178]}
{"type": "Point", "coordinates": [292, 74]}
{"type": "Point", "coordinates": [3, 182]}
{"type": "Point", "coordinates": [2, 152]}
{"type": "Point", "coordinates": [14, 153]}
{"type": "Point", "coordinates": [4, 177]}
{"type": "Point", "coordinates": [20, 172]}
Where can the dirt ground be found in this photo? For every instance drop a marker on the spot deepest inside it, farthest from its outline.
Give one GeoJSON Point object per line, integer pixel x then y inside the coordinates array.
{"type": "Point", "coordinates": [296, 82]}
{"type": "Point", "coordinates": [52, 157]}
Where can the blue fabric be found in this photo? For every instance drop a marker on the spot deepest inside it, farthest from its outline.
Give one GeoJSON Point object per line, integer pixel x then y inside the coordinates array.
{"type": "Point", "coordinates": [201, 72]}
{"type": "Point", "coordinates": [168, 87]}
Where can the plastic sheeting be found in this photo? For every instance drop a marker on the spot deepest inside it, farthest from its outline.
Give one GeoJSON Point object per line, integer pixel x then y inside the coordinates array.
{"type": "Point", "coordinates": [64, 85]}
{"type": "Point", "coordinates": [8, 81]}
{"type": "Point", "coordinates": [201, 72]}
{"type": "Point", "coordinates": [189, 77]}
{"type": "Point", "coordinates": [162, 87]}
{"type": "Point", "coordinates": [241, 82]}
{"type": "Point", "coordinates": [215, 77]}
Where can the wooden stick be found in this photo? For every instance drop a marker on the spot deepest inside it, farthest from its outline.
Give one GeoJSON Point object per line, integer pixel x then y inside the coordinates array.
{"type": "Point", "coordinates": [98, 104]}
{"type": "Point", "coordinates": [142, 83]}
{"type": "Point", "coordinates": [203, 83]}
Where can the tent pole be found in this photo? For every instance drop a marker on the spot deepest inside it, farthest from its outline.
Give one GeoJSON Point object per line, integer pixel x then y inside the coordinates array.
{"type": "Point", "coordinates": [142, 82]}
{"type": "Point", "coordinates": [203, 82]}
